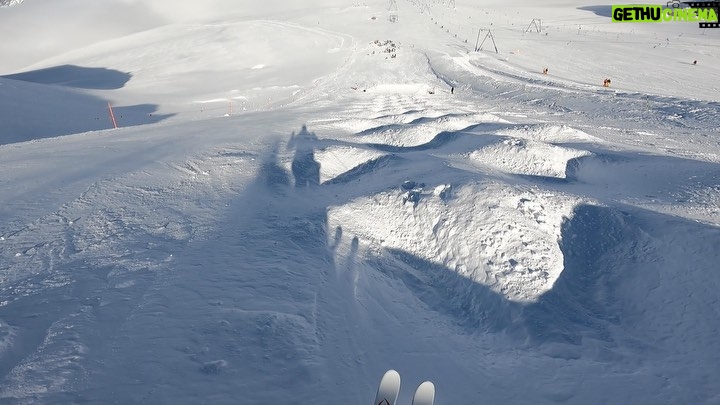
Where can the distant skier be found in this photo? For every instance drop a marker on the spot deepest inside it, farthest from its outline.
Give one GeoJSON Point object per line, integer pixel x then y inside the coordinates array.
{"type": "Point", "coordinates": [452, 90]}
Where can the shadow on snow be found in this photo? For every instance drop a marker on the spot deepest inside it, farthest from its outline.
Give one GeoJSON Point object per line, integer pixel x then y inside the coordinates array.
{"type": "Point", "coordinates": [262, 285]}
{"type": "Point", "coordinates": [92, 78]}
{"type": "Point", "coordinates": [51, 102]}
{"type": "Point", "coordinates": [599, 10]}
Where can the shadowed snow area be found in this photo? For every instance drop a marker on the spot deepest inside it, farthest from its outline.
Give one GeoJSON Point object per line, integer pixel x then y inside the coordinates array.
{"type": "Point", "coordinates": [75, 76]}
{"type": "Point", "coordinates": [31, 111]}
{"type": "Point", "coordinates": [300, 197]}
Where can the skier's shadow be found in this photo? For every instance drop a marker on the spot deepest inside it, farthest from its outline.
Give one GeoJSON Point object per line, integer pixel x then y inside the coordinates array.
{"type": "Point", "coordinates": [305, 168]}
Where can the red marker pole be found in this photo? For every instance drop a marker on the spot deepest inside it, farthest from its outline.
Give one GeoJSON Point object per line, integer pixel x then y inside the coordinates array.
{"type": "Point", "coordinates": [112, 116]}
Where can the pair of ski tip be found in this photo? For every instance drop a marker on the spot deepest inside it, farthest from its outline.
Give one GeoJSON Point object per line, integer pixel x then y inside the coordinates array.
{"type": "Point", "coordinates": [390, 388]}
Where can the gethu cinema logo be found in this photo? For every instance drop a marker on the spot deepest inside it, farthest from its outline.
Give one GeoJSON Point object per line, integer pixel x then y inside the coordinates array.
{"type": "Point", "coordinates": [654, 13]}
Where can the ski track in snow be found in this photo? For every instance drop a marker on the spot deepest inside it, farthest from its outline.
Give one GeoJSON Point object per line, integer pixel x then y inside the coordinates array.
{"type": "Point", "coordinates": [514, 242]}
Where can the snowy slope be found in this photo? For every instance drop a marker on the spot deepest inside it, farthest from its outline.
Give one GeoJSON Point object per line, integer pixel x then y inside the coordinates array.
{"type": "Point", "coordinates": [296, 202]}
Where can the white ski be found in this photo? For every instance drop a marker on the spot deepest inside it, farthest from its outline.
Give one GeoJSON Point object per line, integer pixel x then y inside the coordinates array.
{"type": "Point", "coordinates": [389, 389]}
{"type": "Point", "coordinates": [424, 394]}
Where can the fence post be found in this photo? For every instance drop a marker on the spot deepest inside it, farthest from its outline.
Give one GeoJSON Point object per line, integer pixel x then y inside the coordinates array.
{"type": "Point", "coordinates": [112, 116]}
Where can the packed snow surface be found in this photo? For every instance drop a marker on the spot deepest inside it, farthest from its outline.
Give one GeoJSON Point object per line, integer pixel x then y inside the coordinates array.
{"type": "Point", "coordinates": [299, 197]}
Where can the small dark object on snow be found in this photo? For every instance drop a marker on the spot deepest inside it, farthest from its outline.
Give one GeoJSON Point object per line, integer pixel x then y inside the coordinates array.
{"type": "Point", "coordinates": [445, 192]}
{"type": "Point", "coordinates": [413, 196]}
{"type": "Point", "coordinates": [408, 185]}
{"type": "Point", "coordinates": [694, 62]}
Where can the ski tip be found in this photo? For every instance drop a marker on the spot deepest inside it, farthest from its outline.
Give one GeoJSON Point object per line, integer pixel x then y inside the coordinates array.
{"type": "Point", "coordinates": [389, 388]}
{"type": "Point", "coordinates": [427, 385]}
{"type": "Point", "coordinates": [424, 394]}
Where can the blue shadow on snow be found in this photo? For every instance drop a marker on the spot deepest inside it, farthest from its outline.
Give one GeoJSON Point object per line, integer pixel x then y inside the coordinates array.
{"type": "Point", "coordinates": [92, 78]}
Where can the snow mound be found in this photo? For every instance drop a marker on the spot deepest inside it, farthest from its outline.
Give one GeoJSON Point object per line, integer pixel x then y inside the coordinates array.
{"type": "Point", "coordinates": [519, 156]}
{"type": "Point", "coordinates": [499, 235]}
{"type": "Point", "coordinates": [423, 130]}
{"type": "Point", "coordinates": [550, 133]}
{"type": "Point", "coordinates": [365, 121]}
{"type": "Point", "coordinates": [387, 88]}
{"type": "Point", "coordinates": [335, 160]}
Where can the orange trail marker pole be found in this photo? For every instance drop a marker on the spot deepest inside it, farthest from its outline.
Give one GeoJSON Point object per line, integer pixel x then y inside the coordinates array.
{"type": "Point", "coordinates": [112, 116]}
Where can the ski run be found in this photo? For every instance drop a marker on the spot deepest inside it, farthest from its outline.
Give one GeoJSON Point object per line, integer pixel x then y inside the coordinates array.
{"type": "Point", "coordinates": [504, 202]}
